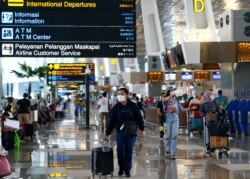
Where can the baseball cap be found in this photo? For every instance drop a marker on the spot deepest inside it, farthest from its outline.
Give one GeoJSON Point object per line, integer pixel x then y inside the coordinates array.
{"type": "Point", "coordinates": [123, 88]}
{"type": "Point", "coordinates": [170, 88]}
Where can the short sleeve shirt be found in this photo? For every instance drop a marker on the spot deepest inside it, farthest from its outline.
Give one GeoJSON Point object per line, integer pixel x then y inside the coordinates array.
{"type": "Point", "coordinates": [24, 105]}
{"type": "Point", "coordinates": [104, 105]}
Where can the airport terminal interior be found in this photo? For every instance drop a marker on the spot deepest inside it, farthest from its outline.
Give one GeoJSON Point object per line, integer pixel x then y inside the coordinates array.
{"type": "Point", "coordinates": [66, 55]}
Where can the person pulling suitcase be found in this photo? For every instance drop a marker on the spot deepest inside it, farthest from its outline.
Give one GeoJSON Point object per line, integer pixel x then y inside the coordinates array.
{"type": "Point", "coordinates": [125, 116]}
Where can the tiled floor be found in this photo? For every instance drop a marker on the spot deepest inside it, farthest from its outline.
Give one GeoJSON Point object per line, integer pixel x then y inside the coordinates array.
{"type": "Point", "coordinates": [63, 150]}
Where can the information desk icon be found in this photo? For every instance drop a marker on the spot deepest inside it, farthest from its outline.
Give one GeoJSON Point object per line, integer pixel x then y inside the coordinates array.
{"type": "Point", "coordinates": [7, 17]}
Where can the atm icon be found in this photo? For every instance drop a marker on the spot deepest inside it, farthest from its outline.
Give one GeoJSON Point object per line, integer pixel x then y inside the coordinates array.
{"type": "Point", "coordinates": [16, 3]}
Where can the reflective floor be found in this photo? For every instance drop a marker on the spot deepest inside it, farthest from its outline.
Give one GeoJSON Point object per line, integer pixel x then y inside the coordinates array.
{"type": "Point", "coordinates": [63, 150]}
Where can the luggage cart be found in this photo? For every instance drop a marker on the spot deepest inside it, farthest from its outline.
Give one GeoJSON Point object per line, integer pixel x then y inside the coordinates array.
{"type": "Point", "coordinates": [216, 142]}
{"type": "Point", "coordinates": [194, 120]}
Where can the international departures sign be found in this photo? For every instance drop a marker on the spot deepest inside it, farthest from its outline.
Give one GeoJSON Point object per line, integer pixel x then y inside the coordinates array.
{"type": "Point", "coordinates": [56, 28]}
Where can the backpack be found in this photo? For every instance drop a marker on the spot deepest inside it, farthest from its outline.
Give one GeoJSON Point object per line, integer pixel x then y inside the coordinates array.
{"type": "Point", "coordinates": [223, 124]}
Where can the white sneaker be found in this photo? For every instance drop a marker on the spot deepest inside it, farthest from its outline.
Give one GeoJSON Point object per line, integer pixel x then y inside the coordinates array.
{"type": "Point", "coordinates": [167, 154]}
{"type": "Point", "coordinates": [173, 157]}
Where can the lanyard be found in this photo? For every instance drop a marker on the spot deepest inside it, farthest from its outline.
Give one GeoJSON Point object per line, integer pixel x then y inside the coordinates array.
{"type": "Point", "coordinates": [164, 106]}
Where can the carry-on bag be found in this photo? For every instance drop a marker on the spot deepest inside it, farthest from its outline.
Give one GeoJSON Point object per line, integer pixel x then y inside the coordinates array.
{"type": "Point", "coordinates": [8, 140]}
{"type": "Point", "coordinates": [29, 130]}
{"type": "Point", "coordinates": [102, 160]}
{"type": "Point", "coordinates": [195, 124]}
{"type": "Point", "coordinates": [4, 163]}
{"type": "Point", "coordinates": [5, 166]}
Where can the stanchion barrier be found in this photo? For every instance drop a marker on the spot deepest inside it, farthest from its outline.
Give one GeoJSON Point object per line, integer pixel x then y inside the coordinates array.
{"type": "Point", "coordinates": [240, 123]}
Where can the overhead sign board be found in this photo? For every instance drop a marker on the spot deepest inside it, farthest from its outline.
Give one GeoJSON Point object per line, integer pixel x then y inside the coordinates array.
{"type": "Point", "coordinates": [68, 86]}
{"type": "Point", "coordinates": [109, 25]}
{"type": "Point", "coordinates": [68, 34]}
{"type": "Point", "coordinates": [69, 73]}
{"type": "Point", "coordinates": [73, 5]}
{"type": "Point", "coordinates": [67, 17]}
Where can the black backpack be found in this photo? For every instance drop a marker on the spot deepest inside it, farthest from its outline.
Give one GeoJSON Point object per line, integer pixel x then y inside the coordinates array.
{"type": "Point", "coordinates": [223, 124]}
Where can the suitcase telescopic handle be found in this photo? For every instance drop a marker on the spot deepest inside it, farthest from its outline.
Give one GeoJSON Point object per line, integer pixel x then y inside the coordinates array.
{"type": "Point", "coordinates": [106, 145]}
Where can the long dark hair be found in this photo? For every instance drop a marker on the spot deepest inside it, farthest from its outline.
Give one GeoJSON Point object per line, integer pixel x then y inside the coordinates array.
{"type": "Point", "coordinates": [168, 92]}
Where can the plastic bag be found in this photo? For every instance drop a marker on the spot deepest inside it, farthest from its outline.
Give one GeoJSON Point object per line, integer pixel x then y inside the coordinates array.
{"type": "Point", "coordinates": [9, 123]}
{"type": "Point", "coordinates": [16, 140]}
{"type": "Point", "coordinates": [5, 166]}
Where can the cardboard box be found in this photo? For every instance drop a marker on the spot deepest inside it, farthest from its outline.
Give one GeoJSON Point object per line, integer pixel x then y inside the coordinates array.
{"type": "Point", "coordinates": [218, 142]}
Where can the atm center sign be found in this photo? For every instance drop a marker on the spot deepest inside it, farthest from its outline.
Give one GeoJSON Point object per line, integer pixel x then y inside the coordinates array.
{"type": "Point", "coordinates": [199, 6]}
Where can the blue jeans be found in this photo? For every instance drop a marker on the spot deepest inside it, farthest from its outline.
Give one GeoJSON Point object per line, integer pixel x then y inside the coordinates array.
{"type": "Point", "coordinates": [125, 145]}
{"type": "Point", "coordinates": [172, 132]}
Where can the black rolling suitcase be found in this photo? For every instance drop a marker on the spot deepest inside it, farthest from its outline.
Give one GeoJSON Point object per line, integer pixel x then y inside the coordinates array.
{"type": "Point", "coordinates": [102, 161]}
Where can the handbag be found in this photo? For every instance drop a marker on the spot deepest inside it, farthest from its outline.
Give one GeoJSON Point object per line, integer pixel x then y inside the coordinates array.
{"type": "Point", "coordinates": [161, 128]}
{"type": "Point", "coordinates": [130, 128]}
{"type": "Point", "coordinates": [211, 116]}
{"type": "Point", "coordinates": [5, 166]}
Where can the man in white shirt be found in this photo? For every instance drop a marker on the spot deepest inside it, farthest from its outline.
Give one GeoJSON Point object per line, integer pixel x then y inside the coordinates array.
{"type": "Point", "coordinates": [103, 106]}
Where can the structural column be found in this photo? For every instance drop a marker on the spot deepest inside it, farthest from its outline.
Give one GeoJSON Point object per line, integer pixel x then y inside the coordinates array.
{"type": "Point", "coordinates": [154, 42]}
{"type": "Point", "coordinates": [227, 79]}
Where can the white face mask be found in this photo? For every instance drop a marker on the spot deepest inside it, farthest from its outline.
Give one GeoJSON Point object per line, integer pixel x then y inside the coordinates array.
{"type": "Point", "coordinates": [121, 98]}
{"type": "Point", "coordinates": [212, 97]}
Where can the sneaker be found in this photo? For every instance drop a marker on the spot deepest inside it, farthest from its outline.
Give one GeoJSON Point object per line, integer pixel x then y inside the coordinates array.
{"type": "Point", "coordinates": [173, 157]}
{"type": "Point", "coordinates": [120, 173]}
{"type": "Point", "coordinates": [128, 175]}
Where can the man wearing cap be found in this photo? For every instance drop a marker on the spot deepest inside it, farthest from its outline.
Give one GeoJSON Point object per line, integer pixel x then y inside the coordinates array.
{"type": "Point", "coordinates": [123, 113]}
{"type": "Point", "coordinates": [173, 108]}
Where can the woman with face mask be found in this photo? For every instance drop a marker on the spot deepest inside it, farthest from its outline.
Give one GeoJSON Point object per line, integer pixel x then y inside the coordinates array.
{"type": "Point", "coordinates": [173, 108]}
{"type": "Point", "coordinates": [123, 113]}
{"type": "Point", "coordinates": [208, 109]}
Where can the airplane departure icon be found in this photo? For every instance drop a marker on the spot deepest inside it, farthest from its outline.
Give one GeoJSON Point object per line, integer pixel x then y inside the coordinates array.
{"type": "Point", "coordinates": [16, 3]}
